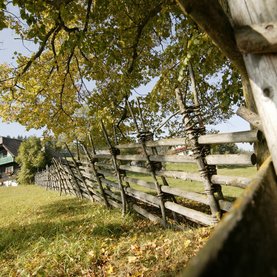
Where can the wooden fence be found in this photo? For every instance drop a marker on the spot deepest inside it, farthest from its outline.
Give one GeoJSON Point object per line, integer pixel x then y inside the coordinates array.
{"type": "Point", "coordinates": [142, 177]}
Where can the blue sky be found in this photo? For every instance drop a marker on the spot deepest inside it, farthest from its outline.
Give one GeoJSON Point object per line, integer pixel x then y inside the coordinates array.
{"type": "Point", "coordinates": [9, 43]}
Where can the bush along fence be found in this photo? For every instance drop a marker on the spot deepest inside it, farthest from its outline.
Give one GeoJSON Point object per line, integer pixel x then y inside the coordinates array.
{"type": "Point", "coordinates": [140, 176]}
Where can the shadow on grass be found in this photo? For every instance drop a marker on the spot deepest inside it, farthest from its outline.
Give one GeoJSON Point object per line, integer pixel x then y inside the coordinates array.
{"type": "Point", "coordinates": [110, 230]}
{"type": "Point", "coordinates": [61, 218]}
{"type": "Point", "coordinates": [20, 237]}
{"type": "Point", "coordinates": [66, 207]}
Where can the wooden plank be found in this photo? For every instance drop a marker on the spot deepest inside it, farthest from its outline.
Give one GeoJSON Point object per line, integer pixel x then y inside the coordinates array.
{"type": "Point", "coordinates": [201, 198]}
{"type": "Point", "coordinates": [114, 203]}
{"type": "Point", "coordinates": [76, 167]}
{"type": "Point", "coordinates": [146, 214]}
{"type": "Point", "coordinates": [187, 176]}
{"type": "Point", "coordinates": [163, 142]}
{"type": "Point", "coordinates": [250, 117]}
{"type": "Point", "coordinates": [110, 183]}
{"type": "Point", "coordinates": [84, 163]}
{"type": "Point", "coordinates": [257, 38]}
{"type": "Point", "coordinates": [92, 171]}
{"type": "Point", "coordinates": [166, 142]}
{"type": "Point", "coordinates": [102, 156]}
{"type": "Point", "coordinates": [225, 205]}
{"type": "Point", "coordinates": [74, 180]}
{"type": "Point", "coordinates": [250, 227]}
{"type": "Point", "coordinates": [104, 165]}
{"type": "Point", "coordinates": [106, 172]}
{"type": "Point", "coordinates": [261, 68]}
{"type": "Point", "coordinates": [158, 158]}
{"type": "Point", "coordinates": [136, 169]}
{"type": "Point", "coordinates": [91, 184]}
{"type": "Point", "coordinates": [113, 195]}
{"type": "Point", "coordinates": [246, 136]}
{"type": "Point", "coordinates": [193, 215]}
{"type": "Point", "coordinates": [83, 168]}
{"type": "Point", "coordinates": [232, 159]}
{"type": "Point", "coordinates": [139, 182]}
{"type": "Point", "coordinates": [128, 146]}
{"type": "Point", "coordinates": [97, 198]}
{"type": "Point", "coordinates": [172, 158]}
{"type": "Point", "coordinates": [88, 175]}
{"type": "Point", "coordinates": [131, 158]}
{"type": "Point", "coordinates": [143, 196]}
{"type": "Point", "coordinates": [86, 195]}
{"type": "Point", "coordinates": [102, 152]}
{"type": "Point", "coordinates": [240, 182]}
{"type": "Point", "coordinates": [77, 177]}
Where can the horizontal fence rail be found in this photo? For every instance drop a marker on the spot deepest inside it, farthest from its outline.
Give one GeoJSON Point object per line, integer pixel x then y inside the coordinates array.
{"type": "Point", "coordinates": [154, 181]}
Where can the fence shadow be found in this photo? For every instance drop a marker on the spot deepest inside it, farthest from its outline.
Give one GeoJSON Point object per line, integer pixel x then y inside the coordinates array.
{"type": "Point", "coordinates": [67, 207]}
{"type": "Point", "coordinates": [60, 218]}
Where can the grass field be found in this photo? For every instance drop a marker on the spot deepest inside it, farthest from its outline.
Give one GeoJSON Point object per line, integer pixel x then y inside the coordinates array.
{"type": "Point", "coordinates": [43, 234]}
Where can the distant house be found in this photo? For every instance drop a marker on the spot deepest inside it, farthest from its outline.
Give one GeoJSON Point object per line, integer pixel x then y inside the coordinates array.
{"type": "Point", "coordinates": [8, 152]}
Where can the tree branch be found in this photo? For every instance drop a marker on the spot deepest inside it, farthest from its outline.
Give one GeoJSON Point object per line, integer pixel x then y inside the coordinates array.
{"type": "Point", "coordinates": [87, 15]}
{"type": "Point", "coordinates": [209, 15]}
{"type": "Point", "coordinates": [53, 46]}
{"type": "Point", "coordinates": [139, 32]}
{"type": "Point", "coordinates": [38, 53]}
{"type": "Point", "coordinates": [63, 86]}
{"type": "Point", "coordinates": [67, 29]}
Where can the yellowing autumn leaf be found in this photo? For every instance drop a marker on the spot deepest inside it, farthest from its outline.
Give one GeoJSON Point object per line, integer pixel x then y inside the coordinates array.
{"type": "Point", "coordinates": [132, 259]}
{"type": "Point", "coordinates": [110, 269]}
{"type": "Point", "coordinates": [187, 243]}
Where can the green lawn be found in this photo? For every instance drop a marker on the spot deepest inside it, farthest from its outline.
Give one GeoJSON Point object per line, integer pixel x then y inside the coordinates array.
{"type": "Point", "coordinates": [43, 234]}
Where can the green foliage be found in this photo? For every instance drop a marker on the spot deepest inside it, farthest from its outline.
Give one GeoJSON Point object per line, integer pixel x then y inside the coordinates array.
{"type": "Point", "coordinates": [93, 55]}
{"type": "Point", "coordinates": [31, 158]}
{"type": "Point", "coordinates": [226, 148]}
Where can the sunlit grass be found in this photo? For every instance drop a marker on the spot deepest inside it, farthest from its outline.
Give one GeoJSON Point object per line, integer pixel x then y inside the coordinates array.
{"type": "Point", "coordinates": [43, 234]}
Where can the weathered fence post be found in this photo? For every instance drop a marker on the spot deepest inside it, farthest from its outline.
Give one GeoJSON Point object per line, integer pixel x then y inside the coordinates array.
{"type": "Point", "coordinates": [143, 137]}
{"type": "Point", "coordinates": [194, 127]}
{"type": "Point", "coordinates": [61, 182]}
{"type": "Point", "coordinates": [95, 174]}
{"type": "Point", "coordinates": [257, 20]}
{"type": "Point", "coordinates": [79, 173]}
{"type": "Point", "coordinates": [114, 152]}
{"type": "Point", "coordinates": [74, 180]}
{"type": "Point", "coordinates": [156, 164]}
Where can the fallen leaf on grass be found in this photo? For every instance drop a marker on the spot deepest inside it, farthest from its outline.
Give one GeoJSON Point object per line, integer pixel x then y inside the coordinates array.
{"type": "Point", "coordinates": [187, 243]}
{"type": "Point", "coordinates": [132, 259]}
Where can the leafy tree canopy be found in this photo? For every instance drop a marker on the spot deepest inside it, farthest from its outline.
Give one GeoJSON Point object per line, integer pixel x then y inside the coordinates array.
{"type": "Point", "coordinates": [31, 158]}
{"type": "Point", "coordinates": [93, 55]}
